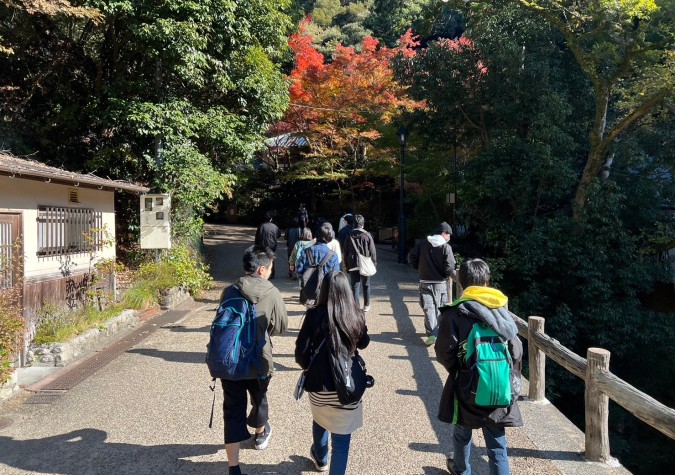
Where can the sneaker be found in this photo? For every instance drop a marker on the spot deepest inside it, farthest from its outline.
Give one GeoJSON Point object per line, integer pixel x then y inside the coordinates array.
{"type": "Point", "coordinates": [321, 467]}
{"type": "Point", "coordinates": [234, 470]}
{"type": "Point", "coordinates": [262, 440]}
{"type": "Point", "coordinates": [430, 340]}
{"type": "Point", "coordinates": [366, 308]}
{"type": "Point", "coordinates": [450, 463]}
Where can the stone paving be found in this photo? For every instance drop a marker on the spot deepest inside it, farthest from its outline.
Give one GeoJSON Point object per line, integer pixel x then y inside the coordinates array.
{"type": "Point", "coordinates": [147, 411]}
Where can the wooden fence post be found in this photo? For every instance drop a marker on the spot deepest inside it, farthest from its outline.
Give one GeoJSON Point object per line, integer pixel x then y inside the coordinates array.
{"type": "Point", "coordinates": [597, 407]}
{"type": "Point", "coordinates": [536, 360]}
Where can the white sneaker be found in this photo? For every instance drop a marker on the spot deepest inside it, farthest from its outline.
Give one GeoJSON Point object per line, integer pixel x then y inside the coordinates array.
{"type": "Point", "coordinates": [366, 308]}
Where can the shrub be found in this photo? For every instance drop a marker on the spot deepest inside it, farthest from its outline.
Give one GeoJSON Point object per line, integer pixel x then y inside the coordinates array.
{"type": "Point", "coordinates": [12, 323]}
{"type": "Point", "coordinates": [12, 330]}
{"type": "Point", "coordinates": [181, 266]}
{"type": "Point", "coordinates": [61, 324]}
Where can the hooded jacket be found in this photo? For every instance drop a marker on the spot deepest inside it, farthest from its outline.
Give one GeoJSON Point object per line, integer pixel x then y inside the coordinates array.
{"type": "Point", "coordinates": [272, 318]}
{"type": "Point", "coordinates": [433, 259]}
{"type": "Point", "coordinates": [477, 304]}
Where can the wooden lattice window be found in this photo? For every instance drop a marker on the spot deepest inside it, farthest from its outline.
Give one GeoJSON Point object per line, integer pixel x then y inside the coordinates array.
{"type": "Point", "coordinates": [68, 230]}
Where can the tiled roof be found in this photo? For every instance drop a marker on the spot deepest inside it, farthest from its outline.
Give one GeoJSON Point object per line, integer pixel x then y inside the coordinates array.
{"type": "Point", "coordinates": [33, 170]}
{"type": "Point", "coordinates": [287, 141]}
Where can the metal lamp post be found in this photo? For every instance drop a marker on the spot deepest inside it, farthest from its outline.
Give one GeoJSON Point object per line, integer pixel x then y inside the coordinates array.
{"type": "Point", "coordinates": [403, 138]}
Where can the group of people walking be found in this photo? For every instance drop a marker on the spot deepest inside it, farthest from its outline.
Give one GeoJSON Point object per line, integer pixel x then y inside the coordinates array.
{"type": "Point", "coordinates": [336, 322]}
{"type": "Point", "coordinates": [341, 250]}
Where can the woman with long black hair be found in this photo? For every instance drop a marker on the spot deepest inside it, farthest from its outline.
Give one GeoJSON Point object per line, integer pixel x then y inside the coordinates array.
{"type": "Point", "coordinates": [336, 322]}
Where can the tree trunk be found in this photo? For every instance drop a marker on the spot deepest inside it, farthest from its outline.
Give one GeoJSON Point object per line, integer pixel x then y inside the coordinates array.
{"type": "Point", "coordinates": [596, 153]}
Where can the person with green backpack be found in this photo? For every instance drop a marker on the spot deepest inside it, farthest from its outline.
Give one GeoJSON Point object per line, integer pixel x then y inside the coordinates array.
{"type": "Point", "coordinates": [479, 347]}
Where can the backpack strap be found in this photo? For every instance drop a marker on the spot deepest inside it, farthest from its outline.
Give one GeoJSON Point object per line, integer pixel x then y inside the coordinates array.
{"type": "Point", "coordinates": [310, 257]}
{"type": "Point", "coordinates": [328, 255]}
{"type": "Point", "coordinates": [356, 250]}
{"type": "Point", "coordinates": [314, 353]}
{"type": "Point", "coordinates": [213, 404]}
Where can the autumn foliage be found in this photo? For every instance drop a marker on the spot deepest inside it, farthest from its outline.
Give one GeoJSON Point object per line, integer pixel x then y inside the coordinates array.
{"type": "Point", "coordinates": [340, 105]}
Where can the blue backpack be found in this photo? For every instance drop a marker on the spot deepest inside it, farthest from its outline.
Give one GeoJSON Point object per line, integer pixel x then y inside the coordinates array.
{"type": "Point", "coordinates": [233, 347]}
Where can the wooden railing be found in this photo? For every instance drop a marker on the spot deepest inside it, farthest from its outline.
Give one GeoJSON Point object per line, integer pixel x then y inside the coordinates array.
{"type": "Point", "coordinates": [600, 386]}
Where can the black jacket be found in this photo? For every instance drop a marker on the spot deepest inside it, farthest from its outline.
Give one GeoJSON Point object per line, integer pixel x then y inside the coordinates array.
{"type": "Point", "coordinates": [343, 236]}
{"type": "Point", "coordinates": [455, 324]}
{"type": "Point", "coordinates": [362, 242]}
{"type": "Point", "coordinates": [267, 235]}
{"type": "Point", "coordinates": [313, 331]}
{"type": "Point", "coordinates": [433, 259]}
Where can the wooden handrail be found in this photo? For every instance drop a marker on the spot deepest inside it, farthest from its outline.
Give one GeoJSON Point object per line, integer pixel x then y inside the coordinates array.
{"type": "Point", "coordinates": [641, 405]}
{"type": "Point", "coordinates": [600, 384]}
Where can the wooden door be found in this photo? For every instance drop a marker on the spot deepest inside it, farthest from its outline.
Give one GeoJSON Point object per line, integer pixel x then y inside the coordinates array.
{"type": "Point", "coordinates": [10, 250]}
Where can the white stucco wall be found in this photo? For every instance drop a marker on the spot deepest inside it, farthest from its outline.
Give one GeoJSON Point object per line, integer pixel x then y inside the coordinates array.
{"type": "Point", "coordinates": [20, 195]}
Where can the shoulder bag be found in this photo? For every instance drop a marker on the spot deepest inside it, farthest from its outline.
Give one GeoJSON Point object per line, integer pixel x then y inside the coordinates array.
{"type": "Point", "coordinates": [365, 263]}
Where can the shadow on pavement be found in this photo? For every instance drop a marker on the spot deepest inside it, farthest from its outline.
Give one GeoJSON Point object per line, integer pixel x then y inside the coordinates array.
{"type": "Point", "coordinates": [173, 356]}
{"type": "Point", "coordinates": [546, 454]}
{"type": "Point", "coordinates": [433, 471]}
{"type": "Point", "coordinates": [86, 451]}
{"type": "Point", "coordinates": [182, 329]}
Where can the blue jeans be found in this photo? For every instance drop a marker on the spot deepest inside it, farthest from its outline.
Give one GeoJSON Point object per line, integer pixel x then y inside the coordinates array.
{"type": "Point", "coordinates": [359, 281]}
{"type": "Point", "coordinates": [495, 441]}
{"type": "Point", "coordinates": [340, 445]}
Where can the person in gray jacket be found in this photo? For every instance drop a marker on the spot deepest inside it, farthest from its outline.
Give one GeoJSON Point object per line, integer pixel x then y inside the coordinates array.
{"type": "Point", "coordinates": [435, 262]}
{"type": "Point", "coordinates": [272, 320]}
{"type": "Point", "coordinates": [486, 305]}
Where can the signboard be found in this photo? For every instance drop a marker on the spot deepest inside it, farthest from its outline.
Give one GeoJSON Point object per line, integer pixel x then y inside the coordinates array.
{"type": "Point", "coordinates": [155, 224]}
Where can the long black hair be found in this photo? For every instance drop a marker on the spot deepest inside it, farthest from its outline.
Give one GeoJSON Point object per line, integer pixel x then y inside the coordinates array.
{"type": "Point", "coordinates": [346, 322]}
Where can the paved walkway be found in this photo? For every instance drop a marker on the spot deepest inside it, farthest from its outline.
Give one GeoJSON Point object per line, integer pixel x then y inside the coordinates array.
{"type": "Point", "coordinates": [147, 410]}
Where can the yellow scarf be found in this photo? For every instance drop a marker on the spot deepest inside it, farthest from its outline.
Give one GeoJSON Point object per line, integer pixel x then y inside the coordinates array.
{"type": "Point", "coordinates": [491, 298]}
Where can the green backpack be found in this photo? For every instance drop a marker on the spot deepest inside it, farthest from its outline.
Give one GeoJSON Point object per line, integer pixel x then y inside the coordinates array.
{"type": "Point", "coordinates": [485, 379]}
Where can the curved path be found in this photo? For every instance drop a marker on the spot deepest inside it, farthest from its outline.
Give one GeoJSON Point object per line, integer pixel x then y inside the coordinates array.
{"type": "Point", "coordinates": [147, 411]}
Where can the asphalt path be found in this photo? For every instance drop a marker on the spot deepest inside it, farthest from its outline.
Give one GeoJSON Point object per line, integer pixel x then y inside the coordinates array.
{"type": "Point", "coordinates": [147, 411]}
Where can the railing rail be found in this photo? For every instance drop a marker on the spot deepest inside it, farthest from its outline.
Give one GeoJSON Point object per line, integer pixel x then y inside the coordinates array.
{"type": "Point", "coordinates": [600, 386]}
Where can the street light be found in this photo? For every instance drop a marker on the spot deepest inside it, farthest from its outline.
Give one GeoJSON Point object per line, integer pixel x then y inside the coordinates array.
{"type": "Point", "coordinates": [403, 138]}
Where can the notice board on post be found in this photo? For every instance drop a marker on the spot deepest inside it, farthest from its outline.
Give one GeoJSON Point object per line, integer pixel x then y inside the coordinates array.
{"type": "Point", "coordinates": [155, 222]}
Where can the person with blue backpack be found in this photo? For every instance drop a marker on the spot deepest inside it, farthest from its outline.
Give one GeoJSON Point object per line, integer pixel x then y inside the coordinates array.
{"type": "Point", "coordinates": [243, 359]}
{"type": "Point", "coordinates": [479, 347]}
{"type": "Point", "coordinates": [315, 262]}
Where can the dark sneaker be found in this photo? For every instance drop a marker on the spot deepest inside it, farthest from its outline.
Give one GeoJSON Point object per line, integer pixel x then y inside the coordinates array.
{"type": "Point", "coordinates": [262, 440]}
{"type": "Point", "coordinates": [451, 466]}
{"type": "Point", "coordinates": [235, 470]}
{"type": "Point", "coordinates": [321, 467]}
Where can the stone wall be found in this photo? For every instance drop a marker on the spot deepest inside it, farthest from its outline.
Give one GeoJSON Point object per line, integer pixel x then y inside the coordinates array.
{"type": "Point", "coordinates": [58, 354]}
{"type": "Point", "coordinates": [170, 298]}
{"type": "Point", "coordinates": [9, 388]}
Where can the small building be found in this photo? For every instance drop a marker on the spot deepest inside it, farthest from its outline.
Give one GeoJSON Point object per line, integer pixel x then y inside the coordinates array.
{"type": "Point", "coordinates": [283, 151]}
{"type": "Point", "coordinates": [55, 226]}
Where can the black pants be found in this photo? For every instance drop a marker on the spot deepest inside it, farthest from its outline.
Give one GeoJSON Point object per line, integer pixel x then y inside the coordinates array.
{"type": "Point", "coordinates": [234, 407]}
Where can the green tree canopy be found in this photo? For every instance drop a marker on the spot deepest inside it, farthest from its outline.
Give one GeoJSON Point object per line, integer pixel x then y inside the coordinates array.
{"type": "Point", "coordinates": [152, 83]}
